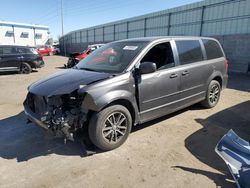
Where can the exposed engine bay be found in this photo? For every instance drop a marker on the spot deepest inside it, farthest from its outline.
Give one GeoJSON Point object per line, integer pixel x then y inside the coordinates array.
{"type": "Point", "coordinates": [63, 115]}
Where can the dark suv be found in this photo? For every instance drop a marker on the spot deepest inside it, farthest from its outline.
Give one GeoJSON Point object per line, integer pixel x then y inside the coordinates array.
{"type": "Point", "coordinates": [19, 58]}
{"type": "Point", "coordinates": [139, 80]}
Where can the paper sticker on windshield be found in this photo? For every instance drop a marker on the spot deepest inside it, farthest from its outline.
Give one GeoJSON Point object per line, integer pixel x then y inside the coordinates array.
{"type": "Point", "coordinates": [130, 47]}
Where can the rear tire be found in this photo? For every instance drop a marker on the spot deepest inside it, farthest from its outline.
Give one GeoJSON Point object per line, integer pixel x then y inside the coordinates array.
{"type": "Point", "coordinates": [213, 95]}
{"type": "Point", "coordinates": [25, 68]}
{"type": "Point", "coordinates": [109, 128]}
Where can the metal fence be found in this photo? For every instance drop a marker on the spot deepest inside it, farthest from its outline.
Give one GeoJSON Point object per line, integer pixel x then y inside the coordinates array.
{"type": "Point", "coordinates": [205, 18]}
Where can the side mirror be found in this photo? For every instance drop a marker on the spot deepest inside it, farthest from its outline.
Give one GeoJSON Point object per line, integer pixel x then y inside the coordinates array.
{"type": "Point", "coordinates": [147, 67]}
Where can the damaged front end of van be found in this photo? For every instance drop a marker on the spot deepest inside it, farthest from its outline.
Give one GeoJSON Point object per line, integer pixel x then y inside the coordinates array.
{"type": "Point", "coordinates": [58, 103]}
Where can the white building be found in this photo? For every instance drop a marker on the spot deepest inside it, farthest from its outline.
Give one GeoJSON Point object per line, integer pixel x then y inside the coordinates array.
{"type": "Point", "coordinates": [23, 34]}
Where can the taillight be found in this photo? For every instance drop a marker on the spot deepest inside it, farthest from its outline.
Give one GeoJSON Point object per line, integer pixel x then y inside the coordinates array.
{"type": "Point", "coordinates": [226, 64]}
{"type": "Point", "coordinates": [40, 57]}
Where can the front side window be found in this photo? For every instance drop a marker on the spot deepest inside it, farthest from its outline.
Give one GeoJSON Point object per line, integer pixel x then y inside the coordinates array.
{"type": "Point", "coordinates": [189, 51]}
{"type": "Point", "coordinates": [113, 57]}
{"type": "Point", "coordinates": [213, 49]}
{"type": "Point", "coordinates": [161, 55]}
{"type": "Point", "coordinates": [8, 50]}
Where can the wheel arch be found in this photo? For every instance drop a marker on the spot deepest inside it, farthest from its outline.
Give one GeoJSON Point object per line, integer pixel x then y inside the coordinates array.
{"type": "Point", "coordinates": [127, 104]}
{"type": "Point", "coordinates": [30, 63]}
{"type": "Point", "coordinates": [122, 97]}
{"type": "Point", "coordinates": [216, 76]}
{"type": "Point", "coordinates": [218, 79]}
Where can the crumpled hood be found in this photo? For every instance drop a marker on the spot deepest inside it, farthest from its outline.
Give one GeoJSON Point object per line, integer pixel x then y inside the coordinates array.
{"type": "Point", "coordinates": [65, 82]}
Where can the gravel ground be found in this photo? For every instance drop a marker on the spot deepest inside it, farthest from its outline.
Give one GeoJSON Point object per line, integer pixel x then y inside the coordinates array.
{"type": "Point", "coordinates": [174, 151]}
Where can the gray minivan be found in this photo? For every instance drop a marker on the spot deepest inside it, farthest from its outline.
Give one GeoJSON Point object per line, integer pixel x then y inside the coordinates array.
{"type": "Point", "coordinates": [126, 83]}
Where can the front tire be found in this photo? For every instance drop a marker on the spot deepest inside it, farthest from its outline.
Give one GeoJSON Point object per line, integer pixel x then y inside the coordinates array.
{"type": "Point", "coordinates": [213, 95]}
{"type": "Point", "coordinates": [109, 128]}
{"type": "Point", "coordinates": [25, 68]}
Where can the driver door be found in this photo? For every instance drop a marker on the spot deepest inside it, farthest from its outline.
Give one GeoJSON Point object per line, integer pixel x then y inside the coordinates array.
{"type": "Point", "coordinates": [159, 91]}
{"type": "Point", "coordinates": [9, 59]}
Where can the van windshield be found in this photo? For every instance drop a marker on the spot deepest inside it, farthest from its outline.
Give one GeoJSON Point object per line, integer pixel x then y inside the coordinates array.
{"type": "Point", "coordinates": [113, 57]}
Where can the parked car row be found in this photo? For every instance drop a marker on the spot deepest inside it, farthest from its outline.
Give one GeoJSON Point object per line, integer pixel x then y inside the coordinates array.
{"type": "Point", "coordinates": [23, 59]}
{"type": "Point", "coordinates": [19, 58]}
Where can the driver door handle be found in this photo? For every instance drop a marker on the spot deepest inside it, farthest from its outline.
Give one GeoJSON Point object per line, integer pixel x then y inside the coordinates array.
{"type": "Point", "coordinates": [173, 75]}
{"type": "Point", "coordinates": [185, 73]}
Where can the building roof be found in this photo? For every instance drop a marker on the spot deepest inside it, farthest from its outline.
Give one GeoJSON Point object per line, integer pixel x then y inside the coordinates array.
{"type": "Point", "coordinates": [15, 45]}
{"type": "Point", "coordinates": [23, 25]}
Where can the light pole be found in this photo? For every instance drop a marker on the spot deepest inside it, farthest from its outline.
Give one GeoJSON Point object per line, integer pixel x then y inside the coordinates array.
{"type": "Point", "coordinates": [64, 44]}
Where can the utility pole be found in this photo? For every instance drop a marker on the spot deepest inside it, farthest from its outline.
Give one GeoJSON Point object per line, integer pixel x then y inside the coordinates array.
{"type": "Point", "coordinates": [64, 44]}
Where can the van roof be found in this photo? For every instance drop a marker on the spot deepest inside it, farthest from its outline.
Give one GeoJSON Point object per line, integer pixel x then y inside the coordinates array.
{"type": "Point", "coordinates": [151, 39]}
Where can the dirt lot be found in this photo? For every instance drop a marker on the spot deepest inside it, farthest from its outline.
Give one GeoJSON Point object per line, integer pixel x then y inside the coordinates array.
{"type": "Point", "coordinates": [173, 151]}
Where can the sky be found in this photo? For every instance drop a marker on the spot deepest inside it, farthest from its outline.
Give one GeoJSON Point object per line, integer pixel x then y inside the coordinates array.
{"type": "Point", "coordinates": [79, 14]}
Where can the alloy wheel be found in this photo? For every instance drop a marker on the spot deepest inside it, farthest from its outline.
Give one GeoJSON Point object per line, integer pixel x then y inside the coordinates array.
{"type": "Point", "coordinates": [115, 127]}
{"type": "Point", "coordinates": [214, 94]}
{"type": "Point", "coordinates": [25, 69]}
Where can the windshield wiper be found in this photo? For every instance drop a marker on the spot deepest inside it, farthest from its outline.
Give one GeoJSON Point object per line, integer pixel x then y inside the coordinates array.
{"type": "Point", "coordinates": [88, 69]}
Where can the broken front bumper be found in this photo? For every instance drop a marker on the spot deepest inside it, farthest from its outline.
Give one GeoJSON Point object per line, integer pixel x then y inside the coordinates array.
{"type": "Point", "coordinates": [33, 117]}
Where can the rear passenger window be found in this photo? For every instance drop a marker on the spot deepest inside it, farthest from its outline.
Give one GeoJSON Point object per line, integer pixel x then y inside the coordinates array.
{"type": "Point", "coordinates": [189, 51]}
{"type": "Point", "coordinates": [213, 49]}
{"type": "Point", "coordinates": [22, 50]}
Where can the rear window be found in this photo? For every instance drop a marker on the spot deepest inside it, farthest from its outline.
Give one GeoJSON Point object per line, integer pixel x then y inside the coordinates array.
{"type": "Point", "coordinates": [213, 49]}
{"type": "Point", "coordinates": [189, 51]}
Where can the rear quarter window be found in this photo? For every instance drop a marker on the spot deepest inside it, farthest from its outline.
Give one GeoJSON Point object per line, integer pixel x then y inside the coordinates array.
{"type": "Point", "coordinates": [33, 51]}
{"type": "Point", "coordinates": [213, 49]}
{"type": "Point", "coordinates": [189, 51]}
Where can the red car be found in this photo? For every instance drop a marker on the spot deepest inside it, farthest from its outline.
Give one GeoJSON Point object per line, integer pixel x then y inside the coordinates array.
{"type": "Point", "coordinates": [46, 50]}
{"type": "Point", "coordinates": [108, 55]}
{"type": "Point", "coordinates": [76, 57]}
{"type": "Point", "coordinates": [85, 53]}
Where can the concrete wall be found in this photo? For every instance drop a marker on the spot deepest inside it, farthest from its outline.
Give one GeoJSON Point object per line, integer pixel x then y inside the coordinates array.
{"type": "Point", "coordinates": [237, 49]}
{"type": "Point", "coordinates": [225, 19]}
